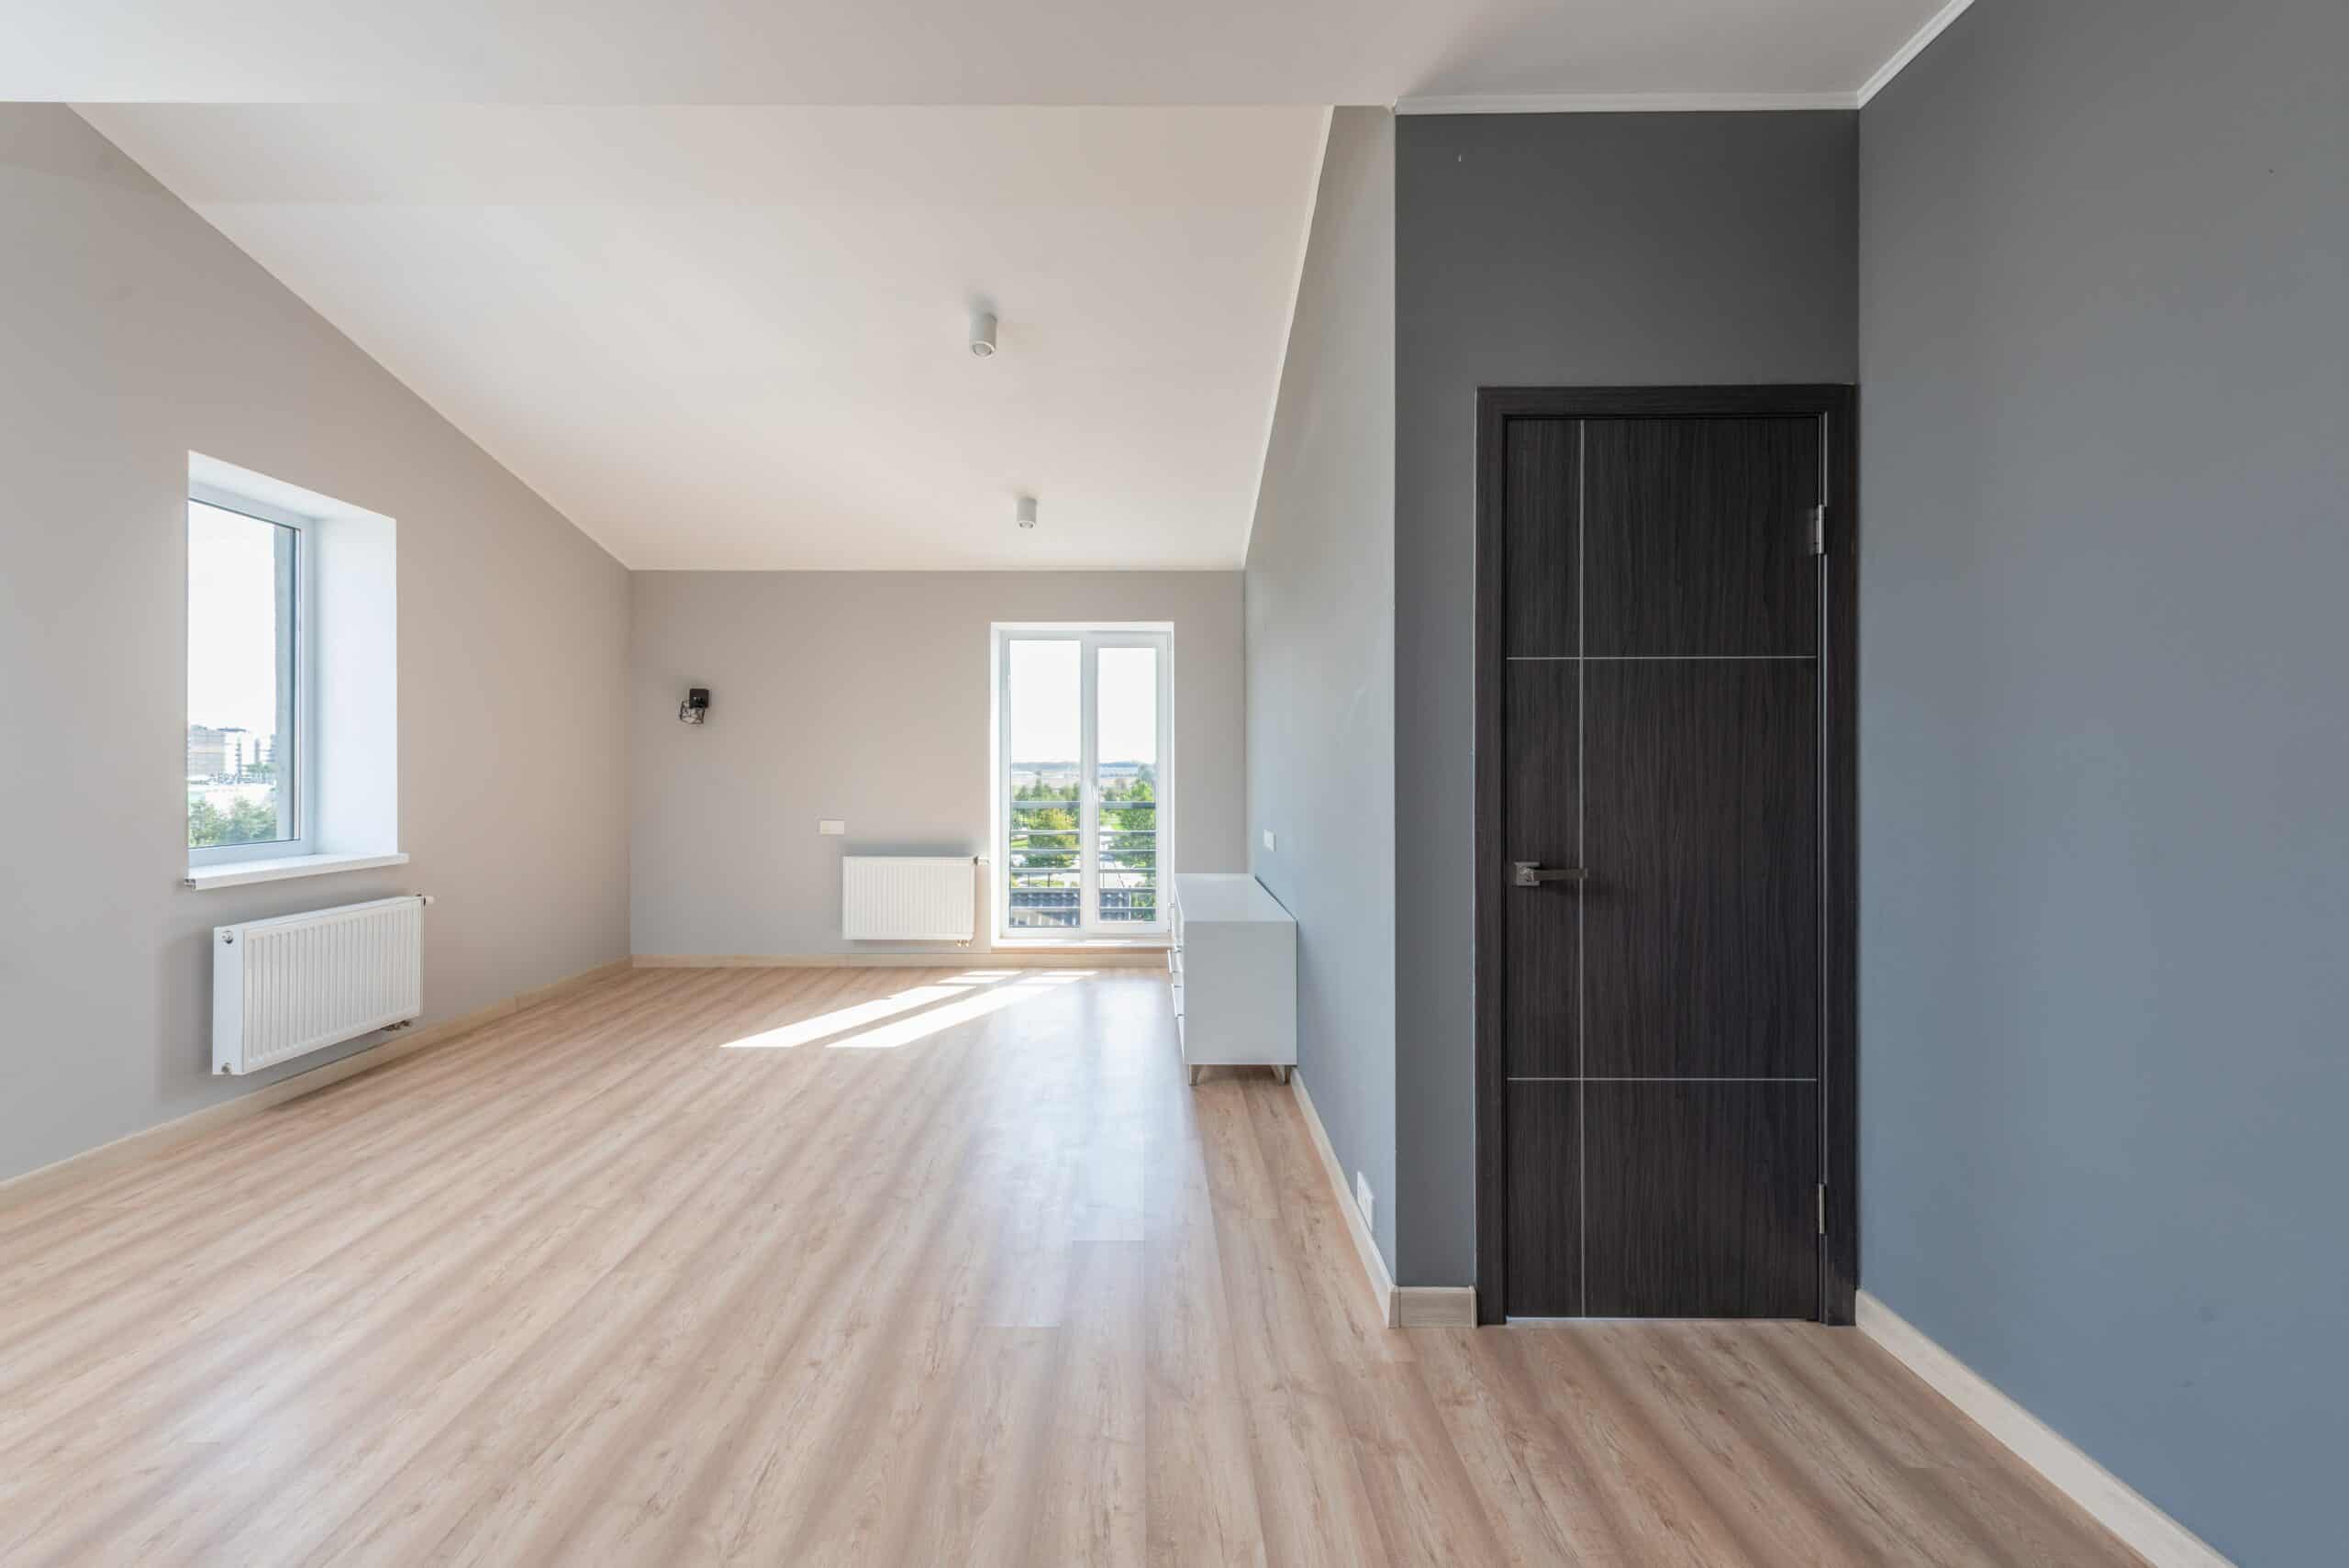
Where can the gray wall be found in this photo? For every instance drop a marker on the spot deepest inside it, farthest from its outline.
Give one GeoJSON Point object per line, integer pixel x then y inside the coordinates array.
{"type": "Point", "coordinates": [1321, 653]}
{"type": "Point", "coordinates": [133, 333]}
{"type": "Point", "coordinates": [1557, 250]}
{"type": "Point", "coordinates": [865, 696]}
{"type": "Point", "coordinates": [2105, 736]}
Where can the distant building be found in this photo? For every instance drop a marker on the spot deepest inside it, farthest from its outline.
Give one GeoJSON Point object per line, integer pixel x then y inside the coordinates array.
{"type": "Point", "coordinates": [228, 752]}
{"type": "Point", "coordinates": [207, 752]}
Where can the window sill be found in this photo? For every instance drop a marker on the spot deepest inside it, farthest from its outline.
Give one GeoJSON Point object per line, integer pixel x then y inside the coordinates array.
{"type": "Point", "coordinates": [235, 873]}
{"type": "Point", "coordinates": [1155, 941]}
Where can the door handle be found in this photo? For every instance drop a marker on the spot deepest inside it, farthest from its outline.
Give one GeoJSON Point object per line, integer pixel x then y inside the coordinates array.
{"type": "Point", "coordinates": [1532, 873]}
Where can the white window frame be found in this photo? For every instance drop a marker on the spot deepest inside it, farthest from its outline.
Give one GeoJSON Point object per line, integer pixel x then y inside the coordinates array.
{"type": "Point", "coordinates": [1091, 637]}
{"type": "Point", "coordinates": [297, 707]}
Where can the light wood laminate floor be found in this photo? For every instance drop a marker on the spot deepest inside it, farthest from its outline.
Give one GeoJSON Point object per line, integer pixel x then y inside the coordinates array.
{"type": "Point", "coordinates": [880, 1266]}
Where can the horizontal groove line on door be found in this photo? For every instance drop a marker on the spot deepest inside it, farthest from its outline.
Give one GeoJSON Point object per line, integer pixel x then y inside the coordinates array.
{"type": "Point", "coordinates": [1598, 1078]}
{"type": "Point", "coordinates": [1658, 658]}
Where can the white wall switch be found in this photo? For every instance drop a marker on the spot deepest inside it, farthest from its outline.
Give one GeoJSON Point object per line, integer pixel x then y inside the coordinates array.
{"type": "Point", "coordinates": [832, 826]}
{"type": "Point", "coordinates": [1369, 1205]}
{"type": "Point", "coordinates": [1270, 842]}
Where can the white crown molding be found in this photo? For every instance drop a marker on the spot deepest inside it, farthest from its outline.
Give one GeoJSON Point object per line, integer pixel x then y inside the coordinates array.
{"type": "Point", "coordinates": [1934, 26]}
{"type": "Point", "coordinates": [2112, 1502]}
{"type": "Point", "coordinates": [1621, 103]}
{"type": "Point", "coordinates": [1686, 103]}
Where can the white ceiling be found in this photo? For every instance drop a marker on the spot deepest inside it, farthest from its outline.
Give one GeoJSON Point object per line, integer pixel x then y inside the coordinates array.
{"type": "Point", "coordinates": [937, 52]}
{"type": "Point", "coordinates": [722, 336]}
{"type": "Point", "coordinates": [736, 336]}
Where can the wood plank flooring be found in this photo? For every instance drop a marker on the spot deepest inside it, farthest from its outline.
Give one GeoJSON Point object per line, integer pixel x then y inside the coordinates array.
{"type": "Point", "coordinates": [880, 1266]}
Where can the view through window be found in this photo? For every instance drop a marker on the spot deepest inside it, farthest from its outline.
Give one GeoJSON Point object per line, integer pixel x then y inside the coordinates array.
{"type": "Point", "coordinates": [240, 592]}
{"type": "Point", "coordinates": [1084, 737]}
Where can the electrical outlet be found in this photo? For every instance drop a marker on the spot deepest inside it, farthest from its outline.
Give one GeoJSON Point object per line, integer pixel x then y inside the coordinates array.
{"type": "Point", "coordinates": [1270, 842]}
{"type": "Point", "coordinates": [1367, 1203]}
{"type": "Point", "coordinates": [831, 825]}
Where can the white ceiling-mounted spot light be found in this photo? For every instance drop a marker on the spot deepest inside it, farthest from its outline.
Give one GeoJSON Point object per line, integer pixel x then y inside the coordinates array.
{"type": "Point", "coordinates": [983, 333]}
{"type": "Point", "coordinates": [1025, 514]}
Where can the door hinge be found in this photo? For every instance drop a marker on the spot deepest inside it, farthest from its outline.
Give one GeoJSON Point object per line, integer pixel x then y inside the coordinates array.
{"type": "Point", "coordinates": [1822, 1208]}
{"type": "Point", "coordinates": [1819, 530]}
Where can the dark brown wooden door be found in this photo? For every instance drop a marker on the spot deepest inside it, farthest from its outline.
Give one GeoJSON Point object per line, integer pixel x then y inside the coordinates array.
{"type": "Point", "coordinates": [1659, 1001]}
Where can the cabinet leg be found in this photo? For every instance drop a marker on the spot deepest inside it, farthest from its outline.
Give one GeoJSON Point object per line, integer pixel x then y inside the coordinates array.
{"type": "Point", "coordinates": [1195, 1075]}
{"type": "Point", "coordinates": [1280, 1074]}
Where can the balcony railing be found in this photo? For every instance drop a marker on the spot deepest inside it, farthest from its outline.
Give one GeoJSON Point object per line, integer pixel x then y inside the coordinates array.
{"type": "Point", "coordinates": [1045, 880]}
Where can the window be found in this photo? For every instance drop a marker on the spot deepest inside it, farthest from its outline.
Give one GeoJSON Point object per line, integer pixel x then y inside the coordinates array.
{"type": "Point", "coordinates": [292, 680]}
{"type": "Point", "coordinates": [247, 615]}
{"type": "Point", "coordinates": [1084, 781]}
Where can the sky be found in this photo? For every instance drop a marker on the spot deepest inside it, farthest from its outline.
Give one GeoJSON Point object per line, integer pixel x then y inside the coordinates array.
{"type": "Point", "coordinates": [1047, 702]}
{"type": "Point", "coordinates": [231, 620]}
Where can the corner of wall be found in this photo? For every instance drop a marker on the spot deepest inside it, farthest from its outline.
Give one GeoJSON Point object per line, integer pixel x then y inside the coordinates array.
{"type": "Point", "coordinates": [1318, 603]}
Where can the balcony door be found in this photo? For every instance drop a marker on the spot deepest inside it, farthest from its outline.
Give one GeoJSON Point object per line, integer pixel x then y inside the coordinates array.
{"type": "Point", "coordinates": [1083, 785]}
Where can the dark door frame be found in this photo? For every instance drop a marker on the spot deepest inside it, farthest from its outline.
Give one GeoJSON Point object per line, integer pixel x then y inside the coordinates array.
{"type": "Point", "coordinates": [1838, 1064]}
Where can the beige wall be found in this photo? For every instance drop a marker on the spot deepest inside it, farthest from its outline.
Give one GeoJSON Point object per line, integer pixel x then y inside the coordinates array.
{"type": "Point", "coordinates": [865, 697]}
{"type": "Point", "coordinates": [131, 333]}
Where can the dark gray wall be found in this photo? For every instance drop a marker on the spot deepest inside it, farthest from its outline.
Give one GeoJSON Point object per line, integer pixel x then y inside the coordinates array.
{"type": "Point", "coordinates": [2105, 736]}
{"type": "Point", "coordinates": [131, 333]}
{"type": "Point", "coordinates": [1321, 611]}
{"type": "Point", "coordinates": [1557, 250]}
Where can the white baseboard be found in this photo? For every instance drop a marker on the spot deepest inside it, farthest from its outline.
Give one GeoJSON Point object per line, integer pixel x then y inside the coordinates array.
{"type": "Point", "coordinates": [1403, 1306]}
{"type": "Point", "coordinates": [1373, 1265]}
{"type": "Point", "coordinates": [151, 1140]}
{"type": "Point", "coordinates": [2151, 1533]}
{"type": "Point", "coordinates": [949, 958]}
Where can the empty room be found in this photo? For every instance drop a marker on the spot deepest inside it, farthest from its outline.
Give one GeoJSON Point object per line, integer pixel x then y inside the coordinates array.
{"type": "Point", "coordinates": [1332, 783]}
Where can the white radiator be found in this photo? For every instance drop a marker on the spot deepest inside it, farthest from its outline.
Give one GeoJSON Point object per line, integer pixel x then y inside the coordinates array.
{"type": "Point", "coordinates": [301, 983]}
{"type": "Point", "coordinates": [909, 898]}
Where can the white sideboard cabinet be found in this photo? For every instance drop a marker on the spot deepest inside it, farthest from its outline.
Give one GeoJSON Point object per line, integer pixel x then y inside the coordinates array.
{"type": "Point", "coordinates": [1234, 963]}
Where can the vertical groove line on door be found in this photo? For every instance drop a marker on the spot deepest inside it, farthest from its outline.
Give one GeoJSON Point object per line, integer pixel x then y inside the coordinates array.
{"type": "Point", "coordinates": [1582, 858]}
{"type": "Point", "coordinates": [1821, 686]}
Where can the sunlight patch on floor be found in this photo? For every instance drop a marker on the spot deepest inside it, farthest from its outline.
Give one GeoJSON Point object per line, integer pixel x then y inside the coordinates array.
{"type": "Point", "coordinates": [840, 1020]}
{"type": "Point", "coordinates": [921, 1026]}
